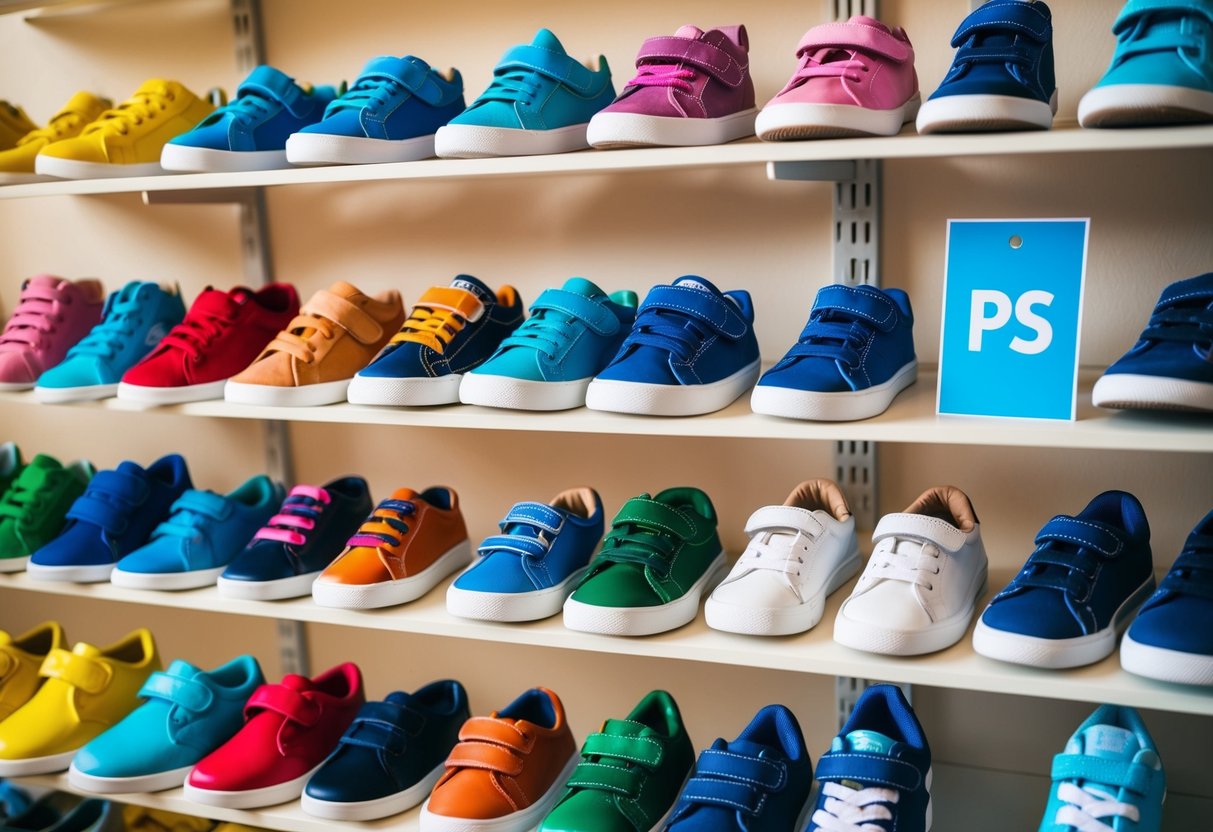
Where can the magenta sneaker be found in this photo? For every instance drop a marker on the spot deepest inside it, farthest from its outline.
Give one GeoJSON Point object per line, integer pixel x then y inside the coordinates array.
{"type": "Point", "coordinates": [855, 79]}
{"type": "Point", "coordinates": [51, 316]}
{"type": "Point", "coordinates": [691, 88]}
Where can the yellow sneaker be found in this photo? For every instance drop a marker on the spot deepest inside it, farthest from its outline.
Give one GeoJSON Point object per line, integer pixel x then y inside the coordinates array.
{"type": "Point", "coordinates": [86, 692]}
{"type": "Point", "coordinates": [20, 660]}
{"type": "Point", "coordinates": [14, 124]}
{"type": "Point", "coordinates": [127, 141]}
{"type": "Point", "coordinates": [143, 819]}
{"type": "Point", "coordinates": [17, 164]}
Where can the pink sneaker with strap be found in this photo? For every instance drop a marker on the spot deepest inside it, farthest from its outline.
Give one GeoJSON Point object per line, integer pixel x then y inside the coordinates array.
{"type": "Point", "coordinates": [51, 316]}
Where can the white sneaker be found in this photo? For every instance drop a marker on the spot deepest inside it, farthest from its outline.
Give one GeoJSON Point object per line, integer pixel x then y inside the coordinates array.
{"type": "Point", "coordinates": [921, 585]}
{"type": "Point", "coordinates": [798, 554]}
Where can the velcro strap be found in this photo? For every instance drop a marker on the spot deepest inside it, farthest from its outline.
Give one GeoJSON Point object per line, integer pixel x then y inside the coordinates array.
{"type": "Point", "coordinates": [370, 731]}
{"type": "Point", "coordinates": [594, 315]}
{"type": "Point", "coordinates": [871, 305]}
{"type": "Point", "coordinates": [274, 85]}
{"type": "Point", "coordinates": [791, 518]}
{"type": "Point", "coordinates": [654, 514]}
{"type": "Point", "coordinates": [7, 662]}
{"type": "Point", "coordinates": [739, 796]}
{"type": "Point", "coordinates": [126, 487]}
{"type": "Point", "coordinates": [92, 509]}
{"type": "Point", "coordinates": [206, 503]}
{"type": "Point", "coordinates": [345, 314]}
{"type": "Point", "coordinates": [189, 694]}
{"type": "Point", "coordinates": [81, 672]}
{"type": "Point", "coordinates": [282, 700]}
{"type": "Point", "coordinates": [641, 750]}
{"type": "Point", "coordinates": [605, 778]}
{"type": "Point", "coordinates": [855, 36]}
{"type": "Point", "coordinates": [1018, 17]}
{"type": "Point", "coordinates": [1136, 8]}
{"type": "Point", "coordinates": [870, 769]}
{"type": "Point", "coordinates": [728, 765]}
{"type": "Point", "coordinates": [559, 67]}
{"type": "Point", "coordinates": [535, 514]}
{"type": "Point", "coordinates": [516, 543]}
{"type": "Point", "coordinates": [994, 54]}
{"type": "Point", "coordinates": [721, 315]}
{"type": "Point", "coordinates": [401, 70]}
{"type": "Point", "coordinates": [1135, 777]}
{"type": "Point", "coordinates": [920, 527]}
{"type": "Point", "coordinates": [498, 731]}
{"type": "Point", "coordinates": [711, 59]}
{"type": "Point", "coordinates": [486, 756]}
{"type": "Point", "coordinates": [460, 301]}
{"type": "Point", "coordinates": [1083, 533]}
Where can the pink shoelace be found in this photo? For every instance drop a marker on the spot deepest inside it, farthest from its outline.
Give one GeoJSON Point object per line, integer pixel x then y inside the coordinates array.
{"type": "Point", "coordinates": [298, 515]}
{"type": "Point", "coordinates": [37, 313]}
{"type": "Point", "coordinates": [663, 75]}
{"type": "Point", "coordinates": [821, 66]}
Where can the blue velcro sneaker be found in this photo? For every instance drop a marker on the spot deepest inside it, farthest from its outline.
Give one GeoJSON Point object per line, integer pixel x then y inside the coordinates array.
{"type": "Point", "coordinates": [250, 131]}
{"type": "Point", "coordinates": [1077, 592]}
{"type": "Point", "coordinates": [202, 534]}
{"type": "Point", "coordinates": [390, 756]}
{"type": "Point", "coordinates": [390, 114]}
{"type": "Point", "coordinates": [1002, 76]}
{"type": "Point", "coordinates": [692, 350]}
{"type": "Point", "coordinates": [526, 572]}
{"type": "Point", "coordinates": [540, 101]}
{"type": "Point", "coordinates": [854, 356]}
{"type": "Point", "coordinates": [117, 513]}
{"type": "Point", "coordinates": [549, 361]}
{"type": "Point", "coordinates": [186, 714]}
{"type": "Point", "coordinates": [134, 320]}
{"type": "Point", "coordinates": [1171, 365]}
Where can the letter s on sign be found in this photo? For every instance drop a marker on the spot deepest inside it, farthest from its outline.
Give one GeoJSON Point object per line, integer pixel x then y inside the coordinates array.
{"type": "Point", "coordinates": [1042, 328]}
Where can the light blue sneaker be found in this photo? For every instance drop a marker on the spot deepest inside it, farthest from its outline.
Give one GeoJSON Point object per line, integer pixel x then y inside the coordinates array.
{"type": "Point", "coordinates": [202, 534]}
{"type": "Point", "coordinates": [134, 320]}
{"type": "Point", "coordinates": [1109, 777]}
{"type": "Point", "coordinates": [540, 101]}
{"type": "Point", "coordinates": [549, 361]}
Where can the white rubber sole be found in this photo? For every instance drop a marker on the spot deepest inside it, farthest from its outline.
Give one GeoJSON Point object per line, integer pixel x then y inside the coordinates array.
{"type": "Point", "coordinates": [251, 798]}
{"type": "Point", "coordinates": [126, 785]}
{"type": "Point", "coordinates": [22, 178]}
{"type": "Point", "coordinates": [320, 149]}
{"type": "Point", "coordinates": [64, 395]}
{"type": "Point", "coordinates": [524, 820]}
{"type": "Point", "coordinates": [170, 395]}
{"type": "Point", "coordinates": [1139, 105]}
{"type": "Point", "coordinates": [832, 407]}
{"type": "Point", "coordinates": [985, 113]}
{"type": "Point", "coordinates": [609, 130]}
{"type": "Point", "coordinates": [14, 564]}
{"type": "Point", "coordinates": [73, 169]}
{"type": "Point", "coordinates": [468, 141]}
{"type": "Point", "coordinates": [92, 574]}
{"type": "Point", "coordinates": [266, 395]}
{"type": "Point", "coordinates": [281, 589]}
{"type": "Point", "coordinates": [792, 122]}
{"type": "Point", "coordinates": [1165, 665]}
{"type": "Point", "coordinates": [522, 394]}
{"type": "Point", "coordinates": [170, 581]}
{"type": "Point", "coordinates": [644, 621]}
{"type": "Point", "coordinates": [36, 765]}
{"type": "Point", "coordinates": [512, 606]}
{"type": "Point", "coordinates": [391, 593]}
{"type": "Point", "coordinates": [1134, 392]}
{"type": "Point", "coordinates": [405, 392]}
{"type": "Point", "coordinates": [176, 157]}
{"type": "Point", "coordinates": [670, 399]}
{"type": "Point", "coordinates": [383, 807]}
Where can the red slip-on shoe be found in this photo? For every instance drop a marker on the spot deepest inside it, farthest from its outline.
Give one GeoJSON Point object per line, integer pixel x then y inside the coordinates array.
{"type": "Point", "coordinates": [221, 335]}
{"type": "Point", "coordinates": [290, 729]}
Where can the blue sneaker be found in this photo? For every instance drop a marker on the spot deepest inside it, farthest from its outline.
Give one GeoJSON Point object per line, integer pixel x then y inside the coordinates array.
{"type": "Point", "coordinates": [854, 356]}
{"type": "Point", "coordinates": [540, 101]}
{"type": "Point", "coordinates": [526, 572]}
{"type": "Point", "coordinates": [450, 331]}
{"type": "Point", "coordinates": [390, 756]}
{"type": "Point", "coordinates": [116, 515]}
{"type": "Point", "coordinates": [202, 534]}
{"type": "Point", "coordinates": [1171, 365]}
{"type": "Point", "coordinates": [186, 714]}
{"type": "Point", "coordinates": [549, 361]}
{"type": "Point", "coordinates": [877, 773]}
{"type": "Point", "coordinates": [1110, 777]}
{"type": "Point", "coordinates": [1077, 591]}
{"type": "Point", "coordinates": [134, 320]}
{"type": "Point", "coordinates": [390, 115]}
{"type": "Point", "coordinates": [1002, 76]}
{"type": "Point", "coordinates": [692, 350]}
{"type": "Point", "coordinates": [250, 131]}
{"type": "Point", "coordinates": [13, 800]}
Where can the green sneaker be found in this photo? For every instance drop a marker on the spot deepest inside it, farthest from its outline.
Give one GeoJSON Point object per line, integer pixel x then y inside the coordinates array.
{"type": "Point", "coordinates": [34, 509]}
{"type": "Point", "coordinates": [10, 465]}
{"type": "Point", "coordinates": [657, 562]}
{"type": "Point", "coordinates": [630, 772]}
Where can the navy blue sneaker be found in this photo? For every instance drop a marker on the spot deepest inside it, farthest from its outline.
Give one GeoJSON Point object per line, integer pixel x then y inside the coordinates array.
{"type": "Point", "coordinates": [692, 350]}
{"type": "Point", "coordinates": [1078, 590]}
{"type": "Point", "coordinates": [1002, 76]}
{"type": "Point", "coordinates": [1171, 365]}
{"type": "Point", "coordinates": [854, 356]}
{"type": "Point", "coordinates": [877, 773]}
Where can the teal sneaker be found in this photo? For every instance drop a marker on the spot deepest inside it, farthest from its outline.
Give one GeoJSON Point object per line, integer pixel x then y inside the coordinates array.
{"type": "Point", "coordinates": [34, 510]}
{"type": "Point", "coordinates": [540, 101]}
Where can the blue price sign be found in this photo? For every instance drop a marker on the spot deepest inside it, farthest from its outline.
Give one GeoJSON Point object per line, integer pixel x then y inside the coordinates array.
{"type": "Point", "coordinates": [1012, 313]}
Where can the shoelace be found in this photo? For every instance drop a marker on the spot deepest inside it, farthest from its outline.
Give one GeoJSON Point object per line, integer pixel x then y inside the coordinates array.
{"type": "Point", "coordinates": [247, 110]}
{"type": "Point", "coordinates": [107, 337]}
{"type": "Point", "coordinates": [37, 313]}
{"type": "Point", "coordinates": [142, 106]}
{"type": "Point", "coordinates": [296, 339]}
{"type": "Point", "coordinates": [663, 75]}
{"type": "Point", "coordinates": [849, 810]}
{"type": "Point", "coordinates": [546, 331]}
{"type": "Point", "coordinates": [1185, 324]}
{"type": "Point", "coordinates": [20, 497]}
{"type": "Point", "coordinates": [652, 547]}
{"type": "Point", "coordinates": [910, 561]}
{"type": "Point", "coordinates": [61, 125]}
{"type": "Point", "coordinates": [429, 325]}
{"type": "Point", "coordinates": [831, 335]}
{"type": "Point", "coordinates": [385, 526]}
{"type": "Point", "coordinates": [1085, 806]}
{"type": "Point", "coordinates": [830, 65]}
{"type": "Point", "coordinates": [667, 331]}
{"type": "Point", "coordinates": [374, 91]}
{"type": "Point", "coordinates": [198, 331]}
{"type": "Point", "coordinates": [763, 553]}
{"type": "Point", "coordinates": [1166, 30]}
{"type": "Point", "coordinates": [1192, 572]}
{"type": "Point", "coordinates": [298, 515]}
{"type": "Point", "coordinates": [514, 85]}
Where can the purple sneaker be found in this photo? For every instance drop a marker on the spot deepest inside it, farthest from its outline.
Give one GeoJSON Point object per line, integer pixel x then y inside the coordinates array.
{"type": "Point", "coordinates": [52, 315]}
{"type": "Point", "coordinates": [691, 88]}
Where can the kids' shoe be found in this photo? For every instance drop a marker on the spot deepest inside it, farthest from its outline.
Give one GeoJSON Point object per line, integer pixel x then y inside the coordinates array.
{"type": "Point", "coordinates": [250, 131]}
{"type": "Point", "coordinates": [853, 357]}
{"type": "Point", "coordinates": [390, 114]}
{"type": "Point", "coordinates": [86, 691]}
{"type": "Point", "coordinates": [17, 162]}
{"type": "Point", "coordinates": [549, 361]}
{"type": "Point", "coordinates": [287, 554]}
{"type": "Point", "coordinates": [1109, 776]}
{"type": "Point", "coordinates": [526, 572]}
{"type": "Point", "coordinates": [798, 554]}
{"type": "Point", "coordinates": [51, 317]}
{"type": "Point", "coordinates": [540, 101]}
{"type": "Point", "coordinates": [116, 515]}
{"type": "Point", "coordinates": [691, 88]}
{"type": "Point", "coordinates": [203, 533]}
{"type": "Point", "coordinates": [855, 79]}
{"type": "Point", "coordinates": [508, 770]}
{"type": "Point", "coordinates": [186, 714]}
{"type": "Point", "coordinates": [134, 320]}
{"type": "Point", "coordinates": [1002, 77]}
{"type": "Point", "coordinates": [1170, 366]}
{"type": "Point", "coordinates": [290, 729]}
{"type": "Point", "coordinates": [451, 330]}
{"type": "Point", "coordinates": [221, 335]}
{"type": "Point", "coordinates": [1162, 70]}
{"type": "Point", "coordinates": [920, 588]}
{"type": "Point", "coordinates": [14, 124]}
{"type": "Point", "coordinates": [13, 801]}
{"type": "Point", "coordinates": [311, 362]}
{"type": "Point", "coordinates": [877, 773]}
{"type": "Point", "coordinates": [659, 559]}
{"type": "Point", "coordinates": [34, 510]}
{"type": "Point", "coordinates": [411, 541]}
{"type": "Point", "coordinates": [630, 772]}
{"type": "Point", "coordinates": [72, 815]}
{"type": "Point", "coordinates": [692, 350]}
{"type": "Point", "coordinates": [391, 755]}
{"type": "Point", "coordinates": [1077, 591]}
{"type": "Point", "coordinates": [21, 659]}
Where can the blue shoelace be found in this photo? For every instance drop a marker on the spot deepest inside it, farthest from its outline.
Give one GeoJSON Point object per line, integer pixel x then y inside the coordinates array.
{"type": "Point", "coordinates": [1192, 573]}
{"type": "Point", "coordinates": [833, 335]}
{"type": "Point", "coordinates": [374, 91]}
{"type": "Point", "coordinates": [669, 331]}
{"type": "Point", "coordinates": [1194, 326]}
{"type": "Point", "coordinates": [107, 337]}
{"type": "Point", "coordinates": [514, 85]}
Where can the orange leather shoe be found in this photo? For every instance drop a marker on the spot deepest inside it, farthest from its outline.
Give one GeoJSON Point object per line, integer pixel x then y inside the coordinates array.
{"type": "Point", "coordinates": [409, 543]}
{"type": "Point", "coordinates": [508, 770]}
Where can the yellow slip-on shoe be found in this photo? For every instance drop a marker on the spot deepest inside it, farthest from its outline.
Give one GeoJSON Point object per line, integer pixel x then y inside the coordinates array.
{"type": "Point", "coordinates": [17, 164]}
{"type": "Point", "coordinates": [127, 140]}
{"type": "Point", "coordinates": [20, 661]}
{"type": "Point", "coordinates": [86, 692]}
{"type": "Point", "coordinates": [14, 124]}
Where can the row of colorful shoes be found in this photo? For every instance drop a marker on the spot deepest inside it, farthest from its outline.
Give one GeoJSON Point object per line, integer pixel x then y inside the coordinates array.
{"type": "Point", "coordinates": [62, 812]}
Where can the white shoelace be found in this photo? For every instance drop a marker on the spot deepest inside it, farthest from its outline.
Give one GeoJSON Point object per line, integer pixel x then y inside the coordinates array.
{"type": "Point", "coordinates": [849, 810]}
{"type": "Point", "coordinates": [912, 561]}
{"type": "Point", "coordinates": [777, 556]}
{"type": "Point", "coordinates": [1085, 807]}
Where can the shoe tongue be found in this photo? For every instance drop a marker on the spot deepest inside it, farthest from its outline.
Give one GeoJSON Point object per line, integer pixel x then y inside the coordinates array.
{"type": "Point", "coordinates": [862, 741]}
{"type": "Point", "coordinates": [688, 31]}
{"type": "Point", "coordinates": [405, 494]}
{"type": "Point", "coordinates": [399, 698]}
{"type": "Point", "coordinates": [214, 300]}
{"type": "Point", "coordinates": [84, 103]}
{"type": "Point", "coordinates": [544, 39]}
{"type": "Point", "coordinates": [132, 468]}
{"type": "Point", "coordinates": [88, 650]}
{"type": "Point", "coordinates": [48, 281]}
{"type": "Point", "coordinates": [864, 20]}
{"type": "Point", "coordinates": [296, 682]}
{"type": "Point", "coordinates": [749, 748]}
{"type": "Point", "coordinates": [1109, 742]}
{"type": "Point", "coordinates": [476, 286]}
{"type": "Point", "coordinates": [47, 463]}
{"type": "Point", "coordinates": [348, 291]}
{"type": "Point", "coordinates": [583, 287]}
{"type": "Point", "coordinates": [692, 281]}
{"type": "Point", "coordinates": [183, 669]}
